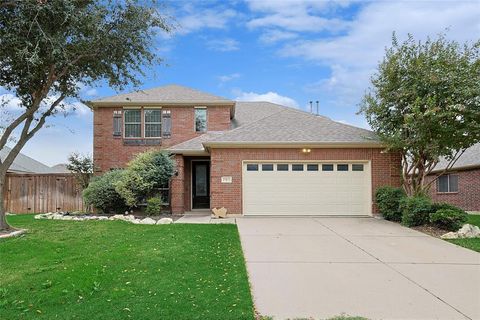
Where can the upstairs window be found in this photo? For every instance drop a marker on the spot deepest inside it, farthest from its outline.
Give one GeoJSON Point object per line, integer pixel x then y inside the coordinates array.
{"type": "Point", "coordinates": [133, 123]}
{"type": "Point", "coordinates": [200, 119]}
{"type": "Point", "coordinates": [153, 123]}
{"type": "Point", "coordinates": [447, 183]}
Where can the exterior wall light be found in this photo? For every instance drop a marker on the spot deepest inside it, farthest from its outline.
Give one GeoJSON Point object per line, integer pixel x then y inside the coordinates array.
{"type": "Point", "coordinates": [305, 150]}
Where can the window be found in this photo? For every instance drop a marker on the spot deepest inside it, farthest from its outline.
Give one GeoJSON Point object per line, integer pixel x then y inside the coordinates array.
{"type": "Point", "coordinates": [312, 167]}
{"type": "Point", "coordinates": [252, 167]}
{"type": "Point", "coordinates": [447, 183]}
{"type": "Point", "coordinates": [282, 167]}
{"type": "Point", "coordinates": [327, 167]}
{"type": "Point", "coordinates": [200, 119]}
{"type": "Point", "coordinates": [342, 167]}
{"type": "Point", "coordinates": [297, 167]}
{"type": "Point", "coordinates": [133, 123]}
{"type": "Point", "coordinates": [357, 167]}
{"type": "Point", "coordinates": [153, 123]}
{"type": "Point", "coordinates": [267, 167]}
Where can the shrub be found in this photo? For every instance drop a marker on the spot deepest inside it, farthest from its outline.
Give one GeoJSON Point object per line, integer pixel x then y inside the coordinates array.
{"type": "Point", "coordinates": [415, 210]}
{"type": "Point", "coordinates": [102, 195]}
{"type": "Point", "coordinates": [146, 172]}
{"type": "Point", "coordinates": [449, 219]}
{"type": "Point", "coordinates": [388, 202]}
{"type": "Point", "coordinates": [154, 206]}
{"type": "Point", "coordinates": [441, 206]}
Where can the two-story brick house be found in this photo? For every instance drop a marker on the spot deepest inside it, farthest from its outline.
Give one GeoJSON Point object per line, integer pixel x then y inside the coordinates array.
{"type": "Point", "coordinates": [253, 158]}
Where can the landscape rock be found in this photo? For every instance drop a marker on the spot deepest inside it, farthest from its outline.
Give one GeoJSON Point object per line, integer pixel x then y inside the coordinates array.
{"type": "Point", "coordinates": [450, 235]}
{"type": "Point", "coordinates": [165, 221]}
{"type": "Point", "coordinates": [147, 221]}
{"type": "Point", "coordinates": [467, 231]}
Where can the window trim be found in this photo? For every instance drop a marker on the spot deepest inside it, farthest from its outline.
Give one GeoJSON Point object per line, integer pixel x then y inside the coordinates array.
{"type": "Point", "coordinates": [448, 184]}
{"type": "Point", "coordinates": [145, 123]}
{"type": "Point", "coordinates": [195, 119]}
{"type": "Point", "coordinates": [125, 122]}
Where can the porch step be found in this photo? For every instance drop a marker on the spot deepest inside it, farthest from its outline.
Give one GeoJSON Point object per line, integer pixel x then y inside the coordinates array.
{"type": "Point", "coordinates": [199, 212]}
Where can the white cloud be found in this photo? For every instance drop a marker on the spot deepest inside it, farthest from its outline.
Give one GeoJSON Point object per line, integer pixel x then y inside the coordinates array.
{"type": "Point", "coordinates": [296, 15]}
{"type": "Point", "coordinates": [268, 96]}
{"type": "Point", "coordinates": [223, 45]}
{"type": "Point", "coordinates": [353, 57]}
{"type": "Point", "coordinates": [196, 18]}
{"type": "Point", "coordinates": [228, 77]}
{"type": "Point", "coordinates": [273, 36]}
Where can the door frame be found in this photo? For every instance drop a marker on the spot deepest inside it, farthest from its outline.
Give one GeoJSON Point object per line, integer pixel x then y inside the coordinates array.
{"type": "Point", "coordinates": [367, 163]}
{"type": "Point", "coordinates": [191, 181]}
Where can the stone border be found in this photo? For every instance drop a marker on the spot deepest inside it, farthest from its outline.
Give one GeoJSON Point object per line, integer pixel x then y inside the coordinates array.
{"type": "Point", "coordinates": [127, 218]}
{"type": "Point", "coordinates": [14, 233]}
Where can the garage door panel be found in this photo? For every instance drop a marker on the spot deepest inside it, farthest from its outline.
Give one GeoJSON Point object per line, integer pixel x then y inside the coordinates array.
{"type": "Point", "coordinates": [306, 192]}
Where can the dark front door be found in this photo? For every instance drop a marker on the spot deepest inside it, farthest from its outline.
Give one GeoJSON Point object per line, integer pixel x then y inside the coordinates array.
{"type": "Point", "coordinates": [200, 185]}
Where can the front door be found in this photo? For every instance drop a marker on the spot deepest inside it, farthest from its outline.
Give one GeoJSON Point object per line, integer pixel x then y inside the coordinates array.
{"type": "Point", "coordinates": [200, 185]}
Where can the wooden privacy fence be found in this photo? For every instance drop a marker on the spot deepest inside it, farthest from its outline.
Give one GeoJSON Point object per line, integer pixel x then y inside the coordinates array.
{"type": "Point", "coordinates": [39, 193]}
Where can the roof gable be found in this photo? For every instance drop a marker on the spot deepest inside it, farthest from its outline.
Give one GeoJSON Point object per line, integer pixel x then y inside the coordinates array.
{"type": "Point", "coordinates": [169, 94]}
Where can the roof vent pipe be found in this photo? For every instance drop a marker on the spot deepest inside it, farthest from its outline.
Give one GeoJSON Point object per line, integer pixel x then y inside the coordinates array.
{"type": "Point", "coordinates": [317, 107]}
{"type": "Point", "coordinates": [311, 106]}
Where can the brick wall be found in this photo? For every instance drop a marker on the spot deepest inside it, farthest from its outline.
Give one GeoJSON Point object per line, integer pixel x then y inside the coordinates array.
{"type": "Point", "coordinates": [110, 152]}
{"type": "Point", "coordinates": [228, 162]}
{"type": "Point", "coordinates": [468, 195]}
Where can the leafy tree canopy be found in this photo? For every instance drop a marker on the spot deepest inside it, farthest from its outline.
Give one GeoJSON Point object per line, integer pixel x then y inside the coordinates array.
{"type": "Point", "coordinates": [425, 103]}
{"type": "Point", "coordinates": [49, 48]}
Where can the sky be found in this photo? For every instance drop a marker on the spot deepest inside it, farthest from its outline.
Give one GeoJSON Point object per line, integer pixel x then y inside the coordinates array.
{"type": "Point", "coordinates": [284, 51]}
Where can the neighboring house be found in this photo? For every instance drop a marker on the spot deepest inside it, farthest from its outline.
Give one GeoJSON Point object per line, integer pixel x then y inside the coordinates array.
{"type": "Point", "coordinates": [253, 158]}
{"type": "Point", "coordinates": [460, 185]}
{"type": "Point", "coordinates": [33, 187]}
{"type": "Point", "coordinates": [25, 164]}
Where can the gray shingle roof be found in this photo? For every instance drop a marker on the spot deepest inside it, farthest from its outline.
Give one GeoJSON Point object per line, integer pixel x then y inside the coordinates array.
{"type": "Point", "coordinates": [292, 125]}
{"type": "Point", "coordinates": [247, 112]}
{"type": "Point", "coordinates": [165, 94]}
{"type": "Point", "coordinates": [257, 122]}
{"type": "Point", "coordinates": [195, 144]}
{"type": "Point", "coordinates": [25, 164]}
{"type": "Point", "coordinates": [470, 158]}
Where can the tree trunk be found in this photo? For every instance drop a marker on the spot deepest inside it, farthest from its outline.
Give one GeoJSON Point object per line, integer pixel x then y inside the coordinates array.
{"type": "Point", "coordinates": [3, 219]}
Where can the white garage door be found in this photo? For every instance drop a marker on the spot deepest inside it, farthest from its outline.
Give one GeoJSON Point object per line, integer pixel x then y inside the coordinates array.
{"type": "Point", "coordinates": [286, 188]}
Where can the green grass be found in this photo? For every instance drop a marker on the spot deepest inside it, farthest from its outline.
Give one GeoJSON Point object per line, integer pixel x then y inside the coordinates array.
{"type": "Point", "coordinates": [114, 270]}
{"type": "Point", "coordinates": [472, 244]}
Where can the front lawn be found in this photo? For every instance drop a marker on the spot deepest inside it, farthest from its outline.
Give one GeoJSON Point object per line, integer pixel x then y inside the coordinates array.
{"type": "Point", "coordinates": [115, 270]}
{"type": "Point", "coordinates": [473, 244]}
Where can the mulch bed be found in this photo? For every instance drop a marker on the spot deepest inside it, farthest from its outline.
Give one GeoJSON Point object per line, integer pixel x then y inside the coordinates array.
{"type": "Point", "coordinates": [431, 230]}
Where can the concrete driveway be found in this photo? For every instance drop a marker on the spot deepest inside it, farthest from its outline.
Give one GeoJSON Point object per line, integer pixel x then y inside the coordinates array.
{"type": "Point", "coordinates": [323, 267]}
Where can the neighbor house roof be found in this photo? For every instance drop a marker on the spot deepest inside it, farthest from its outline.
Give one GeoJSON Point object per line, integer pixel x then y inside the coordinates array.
{"type": "Point", "coordinates": [259, 123]}
{"type": "Point", "coordinates": [25, 164]}
{"type": "Point", "coordinates": [469, 159]}
{"type": "Point", "coordinates": [169, 94]}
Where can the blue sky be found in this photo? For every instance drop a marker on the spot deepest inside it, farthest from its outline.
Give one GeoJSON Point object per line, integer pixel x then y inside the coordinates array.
{"type": "Point", "coordinates": [288, 52]}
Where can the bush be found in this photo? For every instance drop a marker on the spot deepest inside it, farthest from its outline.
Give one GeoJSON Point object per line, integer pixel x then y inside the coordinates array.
{"type": "Point", "coordinates": [145, 173]}
{"type": "Point", "coordinates": [441, 206]}
{"type": "Point", "coordinates": [415, 210]}
{"type": "Point", "coordinates": [449, 219]}
{"type": "Point", "coordinates": [388, 202]}
{"type": "Point", "coordinates": [154, 206]}
{"type": "Point", "coordinates": [102, 195]}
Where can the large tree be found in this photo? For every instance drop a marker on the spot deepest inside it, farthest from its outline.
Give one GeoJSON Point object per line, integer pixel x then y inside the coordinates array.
{"type": "Point", "coordinates": [425, 103]}
{"type": "Point", "coordinates": [49, 48]}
